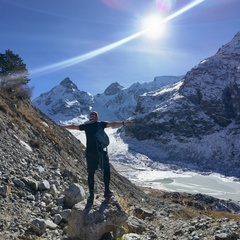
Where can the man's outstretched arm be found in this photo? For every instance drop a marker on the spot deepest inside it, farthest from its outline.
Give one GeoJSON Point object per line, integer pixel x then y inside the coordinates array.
{"type": "Point", "coordinates": [119, 124]}
{"type": "Point", "coordinates": [71, 127]}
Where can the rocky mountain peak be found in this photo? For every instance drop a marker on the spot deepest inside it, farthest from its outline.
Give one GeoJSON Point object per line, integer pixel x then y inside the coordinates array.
{"type": "Point", "coordinates": [232, 47]}
{"type": "Point", "coordinates": [67, 83]}
{"type": "Point", "coordinates": [64, 102]}
{"type": "Point", "coordinates": [113, 89]}
{"type": "Point", "coordinates": [214, 83]}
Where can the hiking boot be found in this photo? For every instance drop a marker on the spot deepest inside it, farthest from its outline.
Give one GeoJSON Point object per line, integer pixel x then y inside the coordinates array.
{"type": "Point", "coordinates": [108, 193]}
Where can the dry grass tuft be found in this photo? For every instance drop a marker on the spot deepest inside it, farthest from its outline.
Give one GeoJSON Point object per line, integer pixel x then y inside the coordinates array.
{"type": "Point", "coordinates": [45, 130]}
{"type": "Point", "coordinates": [125, 201]}
{"type": "Point", "coordinates": [3, 107]}
{"type": "Point", "coordinates": [34, 143]}
{"type": "Point", "coordinates": [220, 215]}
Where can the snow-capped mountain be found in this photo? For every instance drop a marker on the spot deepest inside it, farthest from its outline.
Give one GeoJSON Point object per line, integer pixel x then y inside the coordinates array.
{"type": "Point", "coordinates": [197, 120]}
{"type": "Point", "coordinates": [65, 103]}
{"type": "Point", "coordinates": [124, 101]}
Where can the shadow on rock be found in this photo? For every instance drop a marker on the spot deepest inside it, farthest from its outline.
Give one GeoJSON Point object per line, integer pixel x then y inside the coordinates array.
{"type": "Point", "coordinates": [94, 221]}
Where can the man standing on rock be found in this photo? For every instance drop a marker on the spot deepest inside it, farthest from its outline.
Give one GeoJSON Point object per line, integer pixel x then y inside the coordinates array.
{"type": "Point", "coordinates": [94, 153]}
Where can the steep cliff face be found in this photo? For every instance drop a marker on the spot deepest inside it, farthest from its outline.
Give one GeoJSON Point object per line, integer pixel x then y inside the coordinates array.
{"type": "Point", "coordinates": [214, 84]}
{"type": "Point", "coordinates": [197, 119]}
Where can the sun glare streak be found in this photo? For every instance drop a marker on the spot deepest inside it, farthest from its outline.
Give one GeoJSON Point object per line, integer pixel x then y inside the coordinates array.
{"type": "Point", "coordinates": [75, 60]}
{"type": "Point", "coordinates": [182, 10]}
{"type": "Point", "coordinates": [84, 57]}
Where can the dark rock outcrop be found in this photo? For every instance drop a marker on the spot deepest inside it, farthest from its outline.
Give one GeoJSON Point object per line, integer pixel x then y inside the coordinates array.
{"type": "Point", "coordinates": [113, 89]}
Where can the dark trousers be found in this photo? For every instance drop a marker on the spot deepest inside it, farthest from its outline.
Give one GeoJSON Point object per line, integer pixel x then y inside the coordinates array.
{"type": "Point", "coordinates": [103, 161]}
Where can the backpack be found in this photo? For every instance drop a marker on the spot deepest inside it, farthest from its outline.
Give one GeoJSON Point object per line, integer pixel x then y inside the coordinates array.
{"type": "Point", "coordinates": [101, 137]}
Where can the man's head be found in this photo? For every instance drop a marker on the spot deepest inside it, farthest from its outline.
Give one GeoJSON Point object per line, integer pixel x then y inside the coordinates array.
{"type": "Point", "coordinates": [93, 116]}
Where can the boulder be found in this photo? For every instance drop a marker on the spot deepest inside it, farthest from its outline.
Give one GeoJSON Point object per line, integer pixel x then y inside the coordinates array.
{"type": "Point", "coordinates": [74, 194]}
{"type": "Point", "coordinates": [38, 225]}
{"type": "Point", "coordinates": [19, 183]}
{"type": "Point", "coordinates": [135, 225]}
{"type": "Point", "coordinates": [33, 184]}
{"type": "Point", "coordinates": [131, 236]}
{"type": "Point", "coordinates": [44, 185]}
{"type": "Point", "coordinates": [93, 222]}
{"type": "Point", "coordinates": [3, 191]}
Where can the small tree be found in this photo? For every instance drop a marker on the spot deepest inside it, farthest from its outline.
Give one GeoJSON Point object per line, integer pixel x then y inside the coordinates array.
{"type": "Point", "coordinates": [13, 72]}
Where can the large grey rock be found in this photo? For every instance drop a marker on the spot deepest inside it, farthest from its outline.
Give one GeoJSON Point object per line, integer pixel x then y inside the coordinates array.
{"type": "Point", "coordinates": [135, 225]}
{"type": "Point", "coordinates": [50, 224]}
{"type": "Point", "coordinates": [19, 183]}
{"type": "Point", "coordinates": [65, 214]}
{"type": "Point", "coordinates": [131, 236]}
{"type": "Point", "coordinates": [44, 185]}
{"type": "Point", "coordinates": [38, 225]}
{"type": "Point", "coordinates": [31, 182]}
{"type": "Point", "coordinates": [74, 194]}
{"type": "Point", "coordinates": [93, 223]}
{"type": "Point", "coordinates": [3, 191]}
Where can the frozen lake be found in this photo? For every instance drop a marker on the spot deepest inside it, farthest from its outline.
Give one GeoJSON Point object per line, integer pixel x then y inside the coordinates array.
{"type": "Point", "coordinates": [213, 185]}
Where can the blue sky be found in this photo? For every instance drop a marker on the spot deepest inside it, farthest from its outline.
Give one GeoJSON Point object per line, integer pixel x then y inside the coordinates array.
{"type": "Point", "coordinates": [45, 33]}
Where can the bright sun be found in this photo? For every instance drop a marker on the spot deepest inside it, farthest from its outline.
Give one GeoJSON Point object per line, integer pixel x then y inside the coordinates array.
{"type": "Point", "coordinates": [153, 26]}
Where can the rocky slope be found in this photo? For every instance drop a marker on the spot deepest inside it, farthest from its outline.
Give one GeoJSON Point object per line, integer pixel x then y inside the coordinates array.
{"type": "Point", "coordinates": [33, 149]}
{"type": "Point", "coordinates": [39, 164]}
